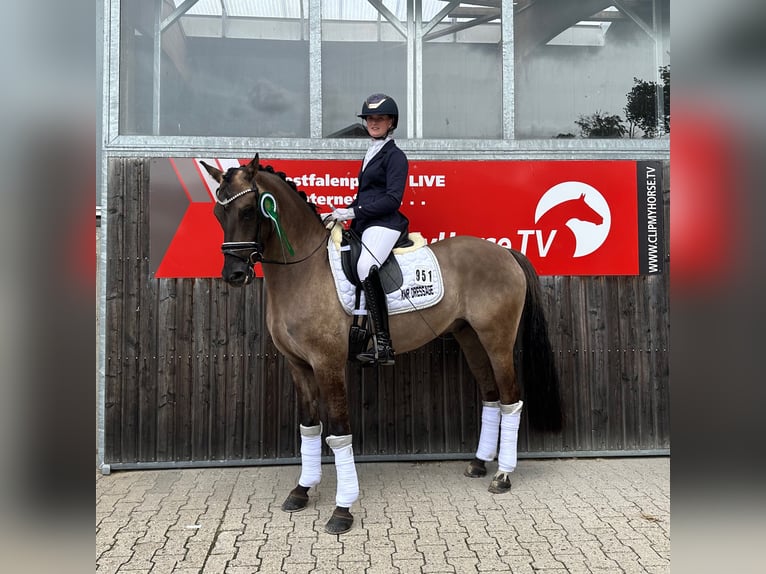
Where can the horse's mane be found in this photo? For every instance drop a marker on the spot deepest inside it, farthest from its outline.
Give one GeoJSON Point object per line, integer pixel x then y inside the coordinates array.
{"type": "Point", "coordinates": [283, 177]}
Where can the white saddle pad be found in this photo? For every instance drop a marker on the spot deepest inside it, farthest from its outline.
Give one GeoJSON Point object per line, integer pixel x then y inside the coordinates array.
{"type": "Point", "coordinates": [421, 287]}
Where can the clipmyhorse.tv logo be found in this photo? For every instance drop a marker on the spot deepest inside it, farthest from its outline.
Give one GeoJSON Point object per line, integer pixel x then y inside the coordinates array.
{"type": "Point", "coordinates": [574, 218]}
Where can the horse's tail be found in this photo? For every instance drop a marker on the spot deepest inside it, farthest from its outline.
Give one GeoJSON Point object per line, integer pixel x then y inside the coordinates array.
{"type": "Point", "coordinates": [537, 361]}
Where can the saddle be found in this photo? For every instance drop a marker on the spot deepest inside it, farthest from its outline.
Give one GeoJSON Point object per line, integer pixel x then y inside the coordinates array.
{"type": "Point", "coordinates": [390, 273]}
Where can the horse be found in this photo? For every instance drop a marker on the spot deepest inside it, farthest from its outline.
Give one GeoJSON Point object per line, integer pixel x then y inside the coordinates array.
{"type": "Point", "coordinates": [490, 295]}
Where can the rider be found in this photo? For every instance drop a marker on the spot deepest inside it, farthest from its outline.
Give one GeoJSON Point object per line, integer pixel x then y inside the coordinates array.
{"type": "Point", "coordinates": [375, 214]}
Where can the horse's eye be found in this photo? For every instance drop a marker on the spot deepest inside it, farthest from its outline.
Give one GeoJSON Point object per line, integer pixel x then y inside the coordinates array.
{"type": "Point", "coordinates": [247, 213]}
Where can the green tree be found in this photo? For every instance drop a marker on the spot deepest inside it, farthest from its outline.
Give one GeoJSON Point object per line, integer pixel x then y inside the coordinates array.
{"type": "Point", "coordinates": [600, 125]}
{"type": "Point", "coordinates": [641, 110]}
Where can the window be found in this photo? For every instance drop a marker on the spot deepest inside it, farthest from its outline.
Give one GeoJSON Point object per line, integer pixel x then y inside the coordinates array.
{"type": "Point", "coordinates": [576, 62]}
{"type": "Point", "coordinates": [226, 68]}
{"type": "Point", "coordinates": [243, 68]}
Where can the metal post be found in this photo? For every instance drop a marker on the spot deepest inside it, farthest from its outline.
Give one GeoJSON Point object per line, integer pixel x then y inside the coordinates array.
{"type": "Point", "coordinates": [508, 67]}
{"type": "Point", "coordinates": [660, 92]}
{"type": "Point", "coordinates": [315, 68]}
{"type": "Point", "coordinates": [417, 80]}
{"type": "Point", "coordinates": [156, 68]}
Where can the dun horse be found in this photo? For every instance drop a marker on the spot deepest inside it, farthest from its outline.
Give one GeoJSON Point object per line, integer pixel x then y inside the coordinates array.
{"type": "Point", "coordinates": [489, 291]}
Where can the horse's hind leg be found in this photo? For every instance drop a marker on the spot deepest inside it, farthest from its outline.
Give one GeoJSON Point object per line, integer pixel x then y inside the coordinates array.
{"type": "Point", "coordinates": [311, 438]}
{"type": "Point", "coordinates": [500, 350]}
{"type": "Point", "coordinates": [480, 366]}
{"type": "Point", "coordinates": [495, 373]}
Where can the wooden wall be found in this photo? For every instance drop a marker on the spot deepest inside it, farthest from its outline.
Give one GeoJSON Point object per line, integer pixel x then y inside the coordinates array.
{"type": "Point", "coordinates": [192, 375]}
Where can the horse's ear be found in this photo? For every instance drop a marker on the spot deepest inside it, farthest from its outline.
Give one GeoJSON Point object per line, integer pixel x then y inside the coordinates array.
{"type": "Point", "coordinates": [215, 173]}
{"type": "Point", "coordinates": [252, 168]}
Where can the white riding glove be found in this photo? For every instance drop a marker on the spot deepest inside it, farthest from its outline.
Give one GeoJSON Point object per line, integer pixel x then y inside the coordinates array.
{"type": "Point", "coordinates": [343, 214]}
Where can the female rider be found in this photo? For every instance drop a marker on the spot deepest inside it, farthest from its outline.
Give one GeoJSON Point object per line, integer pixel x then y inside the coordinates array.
{"type": "Point", "coordinates": [375, 215]}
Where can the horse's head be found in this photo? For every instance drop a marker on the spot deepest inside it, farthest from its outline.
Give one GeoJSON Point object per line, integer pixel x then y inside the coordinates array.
{"type": "Point", "coordinates": [579, 209]}
{"type": "Point", "coordinates": [237, 210]}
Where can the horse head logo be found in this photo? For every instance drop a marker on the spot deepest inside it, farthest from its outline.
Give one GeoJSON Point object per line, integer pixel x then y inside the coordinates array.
{"type": "Point", "coordinates": [580, 208]}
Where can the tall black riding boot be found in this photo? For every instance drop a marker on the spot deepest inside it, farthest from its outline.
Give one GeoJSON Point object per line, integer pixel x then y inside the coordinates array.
{"type": "Point", "coordinates": [381, 351]}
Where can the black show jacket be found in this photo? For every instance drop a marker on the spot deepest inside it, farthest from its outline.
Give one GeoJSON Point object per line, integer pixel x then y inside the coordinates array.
{"type": "Point", "coordinates": [381, 188]}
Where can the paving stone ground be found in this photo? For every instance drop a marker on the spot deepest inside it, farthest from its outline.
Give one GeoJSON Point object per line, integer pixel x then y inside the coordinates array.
{"type": "Point", "coordinates": [562, 516]}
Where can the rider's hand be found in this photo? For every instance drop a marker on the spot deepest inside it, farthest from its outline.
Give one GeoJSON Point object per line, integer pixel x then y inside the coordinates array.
{"type": "Point", "coordinates": [343, 214]}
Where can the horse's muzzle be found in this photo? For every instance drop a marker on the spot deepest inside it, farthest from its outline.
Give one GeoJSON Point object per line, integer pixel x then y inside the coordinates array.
{"type": "Point", "coordinates": [238, 277]}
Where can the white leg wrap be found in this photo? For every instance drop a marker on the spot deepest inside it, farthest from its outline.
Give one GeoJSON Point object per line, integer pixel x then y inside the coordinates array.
{"type": "Point", "coordinates": [509, 436]}
{"type": "Point", "coordinates": [490, 431]}
{"type": "Point", "coordinates": [348, 484]}
{"type": "Point", "coordinates": [311, 455]}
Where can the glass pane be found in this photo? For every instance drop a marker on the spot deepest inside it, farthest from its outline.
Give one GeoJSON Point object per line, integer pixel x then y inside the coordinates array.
{"type": "Point", "coordinates": [579, 64]}
{"type": "Point", "coordinates": [462, 73]}
{"type": "Point", "coordinates": [363, 53]}
{"type": "Point", "coordinates": [227, 68]}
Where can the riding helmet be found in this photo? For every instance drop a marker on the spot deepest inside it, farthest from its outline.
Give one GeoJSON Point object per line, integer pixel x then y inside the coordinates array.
{"type": "Point", "coordinates": [380, 105]}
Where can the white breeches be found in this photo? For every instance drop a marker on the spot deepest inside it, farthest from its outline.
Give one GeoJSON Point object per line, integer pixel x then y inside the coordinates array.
{"type": "Point", "coordinates": [377, 243]}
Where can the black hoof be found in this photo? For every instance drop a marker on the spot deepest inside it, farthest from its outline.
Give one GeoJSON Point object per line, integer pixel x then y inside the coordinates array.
{"type": "Point", "coordinates": [475, 469]}
{"type": "Point", "coordinates": [297, 500]}
{"type": "Point", "coordinates": [340, 521]}
{"type": "Point", "coordinates": [500, 484]}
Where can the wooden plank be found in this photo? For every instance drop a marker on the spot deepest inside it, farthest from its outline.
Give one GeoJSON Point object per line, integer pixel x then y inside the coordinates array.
{"type": "Point", "coordinates": [200, 399]}
{"type": "Point", "coordinates": [288, 432]}
{"type": "Point", "coordinates": [550, 294]}
{"type": "Point", "coordinates": [582, 361]}
{"type": "Point", "coordinates": [597, 381]}
{"type": "Point", "coordinates": [131, 313]}
{"type": "Point", "coordinates": [453, 405]}
{"type": "Point", "coordinates": [235, 384]}
{"type": "Point", "coordinates": [364, 394]}
{"type": "Point", "coordinates": [470, 399]}
{"type": "Point", "coordinates": [403, 406]}
{"type": "Point", "coordinates": [612, 365]}
{"type": "Point", "coordinates": [219, 381]}
{"type": "Point", "coordinates": [439, 414]}
{"type": "Point", "coordinates": [167, 370]}
{"type": "Point", "coordinates": [661, 359]}
{"type": "Point", "coordinates": [387, 413]}
{"type": "Point", "coordinates": [146, 336]}
{"type": "Point", "coordinates": [253, 408]}
{"type": "Point", "coordinates": [420, 400]}
{"type": "Point", "coordinates": [560, 325]}
{"type": "Point", "coordinates": [185, 360]}
{"type": "Point", "coordinates": [113, 317]}
{"type": "Point", "coordinates": [629, 380]}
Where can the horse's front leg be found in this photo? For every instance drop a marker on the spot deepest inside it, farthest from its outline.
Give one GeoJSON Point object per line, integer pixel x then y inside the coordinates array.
{"type": "Point", "coordinates": [340, 441]}
{"type": "Point", "coordinates": [311, 437]}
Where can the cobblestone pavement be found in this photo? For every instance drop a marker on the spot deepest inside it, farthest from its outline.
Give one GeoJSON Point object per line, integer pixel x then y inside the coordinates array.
{"type": "Point", "coordinates": [565, 515]}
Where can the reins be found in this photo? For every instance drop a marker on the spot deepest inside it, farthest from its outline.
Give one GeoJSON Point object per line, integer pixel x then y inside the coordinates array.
{"type": "Point", "coordinates": [256, 255]}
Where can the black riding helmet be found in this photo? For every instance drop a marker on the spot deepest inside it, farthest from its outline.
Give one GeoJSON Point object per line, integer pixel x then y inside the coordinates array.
{"type": "Point", "coordinates": [380, 105]}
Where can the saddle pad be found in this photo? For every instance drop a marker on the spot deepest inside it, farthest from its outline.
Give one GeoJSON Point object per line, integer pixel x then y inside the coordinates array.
{"type": "Point", "coordinates": [422, 286]}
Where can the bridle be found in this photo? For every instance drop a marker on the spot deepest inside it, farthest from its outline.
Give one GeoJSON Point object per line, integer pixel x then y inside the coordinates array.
{"type": "Point", "coordinates": [254, 249]}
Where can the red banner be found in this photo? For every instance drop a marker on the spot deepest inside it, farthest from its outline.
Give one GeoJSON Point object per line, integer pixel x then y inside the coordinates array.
{"type": "Point", "coordinates": [568, 217]}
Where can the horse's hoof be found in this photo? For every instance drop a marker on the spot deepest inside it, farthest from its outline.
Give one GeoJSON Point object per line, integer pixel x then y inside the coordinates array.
{"type": "Point", "coordinates": [340, 521]}
{"type": "Point", "coordinates": [297, 500]}
{"type": "Point", "coordinates": [500, 484]}
{"type": "Point", "coordinates": [475, 469]}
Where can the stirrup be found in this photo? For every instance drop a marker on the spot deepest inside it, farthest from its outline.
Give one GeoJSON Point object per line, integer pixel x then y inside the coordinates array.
{"type": "Point", "coordinates": [381, 354]}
